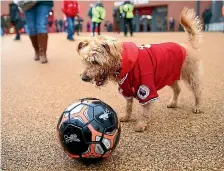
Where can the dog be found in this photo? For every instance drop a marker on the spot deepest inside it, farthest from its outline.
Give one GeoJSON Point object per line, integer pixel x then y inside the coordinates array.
{"type": "Point", "coordinates": [141, 71]}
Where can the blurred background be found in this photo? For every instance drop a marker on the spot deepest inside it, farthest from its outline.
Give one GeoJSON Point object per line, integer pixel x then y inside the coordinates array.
{"type": "Point", "coordinates": [149, 16]}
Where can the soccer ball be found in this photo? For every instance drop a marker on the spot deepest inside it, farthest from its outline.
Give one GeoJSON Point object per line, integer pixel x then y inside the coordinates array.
{"type": "Point", "coordinates": [89, 128]}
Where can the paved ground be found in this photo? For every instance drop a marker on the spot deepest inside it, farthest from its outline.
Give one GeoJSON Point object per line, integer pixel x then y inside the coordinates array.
{"type": "Point", "coordinates": [34, 95]}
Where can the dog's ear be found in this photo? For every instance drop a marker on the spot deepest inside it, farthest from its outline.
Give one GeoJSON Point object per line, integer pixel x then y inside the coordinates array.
{"type": "Point", "coordinates": [82, 45]}
{"type": "Point", "coordinates": [106, 46]}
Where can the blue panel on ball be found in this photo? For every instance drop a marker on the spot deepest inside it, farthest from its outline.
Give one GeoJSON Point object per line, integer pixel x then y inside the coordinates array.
{"type": "Point", "coordinates": [89, 114]}
{"type": "Point", "coordinates": [77, 121]}
{"type": "Point", "coordinates": [104, 116]}
{"type": "Point", "coordinates": [98, 127]}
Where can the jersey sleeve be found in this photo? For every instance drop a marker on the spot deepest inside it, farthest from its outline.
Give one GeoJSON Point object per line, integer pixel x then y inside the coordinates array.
{"type": "Point", "coordinates": [126, 95]}
{"type": "Point", "coordinates": [147, 91]}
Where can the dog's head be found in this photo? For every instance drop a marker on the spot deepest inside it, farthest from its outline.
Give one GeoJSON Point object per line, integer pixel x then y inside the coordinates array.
{"type": "Point", "coordinates": [101, 56]}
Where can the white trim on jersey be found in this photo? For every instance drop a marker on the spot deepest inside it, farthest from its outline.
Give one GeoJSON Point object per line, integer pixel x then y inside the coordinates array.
{"type": "Point", "coordinates": [151, 100]}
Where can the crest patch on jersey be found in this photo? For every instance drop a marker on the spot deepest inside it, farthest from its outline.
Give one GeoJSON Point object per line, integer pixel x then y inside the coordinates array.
{"type": "Point", "coordinates": [143, 92]}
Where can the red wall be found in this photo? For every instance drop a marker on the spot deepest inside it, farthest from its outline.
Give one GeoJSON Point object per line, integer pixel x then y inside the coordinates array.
{"type": "Point", "coordinates": [175, 7]}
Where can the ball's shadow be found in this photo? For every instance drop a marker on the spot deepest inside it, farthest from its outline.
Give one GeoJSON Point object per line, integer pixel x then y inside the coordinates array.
{"type": "Point", "coordinates": [90, 161]}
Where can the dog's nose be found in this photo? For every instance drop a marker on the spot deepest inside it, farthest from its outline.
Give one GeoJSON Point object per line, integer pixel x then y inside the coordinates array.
{"type": "Point", "coordinates": [85, 78]}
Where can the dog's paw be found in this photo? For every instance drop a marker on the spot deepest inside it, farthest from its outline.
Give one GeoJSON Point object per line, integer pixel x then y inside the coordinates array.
{"type": "Point", "coordinates": [140, 127]}
{"type": "Point", "coordinates": [196, 109]}
{"type": "Point", "coordinates": [125, 119]}
{"type": "Point", "coordinates": [172, 105]}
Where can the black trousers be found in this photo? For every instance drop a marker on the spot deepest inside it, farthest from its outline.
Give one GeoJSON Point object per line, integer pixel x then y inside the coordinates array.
{"type": "Point", "coordinates": [18, 25]}
{"type": "Point", "coordinates": [128, 23]}
{"type": "Point", "coordinates": [77, 28]}
{"type": "Point", "coordinates": [94, 25]}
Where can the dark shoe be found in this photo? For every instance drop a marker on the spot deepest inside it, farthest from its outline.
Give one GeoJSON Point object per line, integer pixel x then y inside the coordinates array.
{"type": "Point", "coordinates": [17, 38]}
{"type": "Point", "coordinates": [35, 46]}
{"type": "Point", "coordinates": [71, 39]}
{"type": "Point", "coordinates": [42, 43]}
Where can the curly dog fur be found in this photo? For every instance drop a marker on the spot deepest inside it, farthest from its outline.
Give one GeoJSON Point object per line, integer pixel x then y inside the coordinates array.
{"type": "Point", "coordinates": [102, 57]}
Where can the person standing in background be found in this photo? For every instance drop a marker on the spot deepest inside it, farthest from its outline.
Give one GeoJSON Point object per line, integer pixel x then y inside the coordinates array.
{"type": "Point", "coordinates": [223, 17]}
{"type": "Point", "coordinates": [7, 23]}
{"type": "Point", "coordinates": [50, 21]}
{"type": "Point", "coordinates": [15, 18]}
{"type": "Point", "coordinates": [98, 15]}
{"type": "Point", "coordinates": [90, 14]}
{"type": "Point", "coordinates": [78, 25]}
{"type": "Point", "coordinates": [2, 25]}
{"type": "Point", "coordinates": [61, 25]}
{"type": "Point", "coordinates": [37, 21]}
{"type": "Point", "coordinates": [117, 20]}
{"type": "Point", "coordinates": [127, 12]}
{"type": "Point", "coordinates": [207, 15]}
{"type": "Point", "coordinates": [171, 24]}
{"type": "Point", "coordinates": [70, 10]}
{"type": "Point", "coordinates": [56, 24]}
{"type": "Point", "coordinates": [88, 26]}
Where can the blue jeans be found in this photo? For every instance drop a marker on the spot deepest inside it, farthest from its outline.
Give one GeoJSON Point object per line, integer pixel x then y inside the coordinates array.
{"type": "Point", "coordinates": [26, 29]}
{"type": "Point", "coordinates": [37, 19]}
{"type": "Point", "coordinates": [2, 32]}
{"type": "Point", "coordinates": [71, 27]}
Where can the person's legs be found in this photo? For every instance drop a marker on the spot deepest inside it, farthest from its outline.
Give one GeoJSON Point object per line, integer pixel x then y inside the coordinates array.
{"type": "Point", "coordinates": [17, 25]}
{"type": "Point", "coordinates": [206, 27]}
{"type": "Point", "coordinates": [98, 25]}
{"type": "Point", "coordinates": [42, 12]}
{"type": "Point", "coordinates": [93, 28]}
{"type": "Point", "coordinates": [26, 29]}
{"type": "Point", "coordinates": [73, 27]}
{"type": "Point", "coordinates": [70, 28]}
{"type": "Point", "coordinates": [2, 31]}
{"type": "Point", "coordinates": [118, 27]}
{"type": "Point", "coordinates": [130, 26]}
{"type": "Point", "coordinates": [125, 27]}
{"type": "Point", "coordinates": [17, 33]}
{"type": "Point", "coordinates": [78, 27]}
{"type": "Point", "coordinates": [30, 17]}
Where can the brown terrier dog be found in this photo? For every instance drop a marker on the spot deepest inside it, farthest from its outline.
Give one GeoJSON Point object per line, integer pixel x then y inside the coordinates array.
{"type": "Point", "coordinates": [142, 71]}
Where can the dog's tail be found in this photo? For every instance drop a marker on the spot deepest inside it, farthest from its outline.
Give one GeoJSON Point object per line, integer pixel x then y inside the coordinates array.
{"type": "Point", "coordinates": [192, 26]}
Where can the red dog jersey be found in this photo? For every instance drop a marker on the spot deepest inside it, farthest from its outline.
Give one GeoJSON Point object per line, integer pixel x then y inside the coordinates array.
{"type": "Point", "coordinates": [146, 69]}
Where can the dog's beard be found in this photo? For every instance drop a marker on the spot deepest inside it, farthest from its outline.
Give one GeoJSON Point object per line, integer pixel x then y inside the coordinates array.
{"type": "Point", "coordinates": [96, 75]}
{"type": "Point", "coordinates": [102, 80]}
{"type": "Point", "coordinates": [101, 73]}
{"type": "Point", "coordinates": [100, 77]}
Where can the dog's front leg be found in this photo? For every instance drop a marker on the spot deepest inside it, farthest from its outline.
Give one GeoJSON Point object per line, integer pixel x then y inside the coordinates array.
{"type": "Point", "coordinates": [128, 113]}
{"type": "Point", "coordinates": [142, 120]}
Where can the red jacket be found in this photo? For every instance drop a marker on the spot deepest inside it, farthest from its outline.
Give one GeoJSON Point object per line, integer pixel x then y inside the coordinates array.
{"type": "Point", "coordinates": [70, 8]}
{"type": "Point", "coordinates": [147, 69]}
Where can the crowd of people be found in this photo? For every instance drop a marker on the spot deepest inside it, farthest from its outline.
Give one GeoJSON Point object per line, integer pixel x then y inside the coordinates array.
{"type": "Point", "coordinates": [125, 13]}
{"type": "Point", "coordinates": [36, 20]}
{"type": "Point", "coordinates": [73, 22]}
